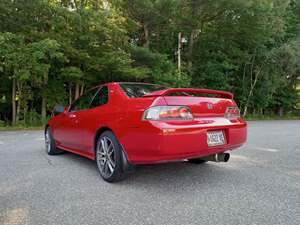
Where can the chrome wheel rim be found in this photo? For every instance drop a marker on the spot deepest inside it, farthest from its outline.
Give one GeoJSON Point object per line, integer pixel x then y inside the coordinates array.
{"type": "Point", "coordinates": [48, 141]}
{"type": "Point", "coordinates": [106, 158]}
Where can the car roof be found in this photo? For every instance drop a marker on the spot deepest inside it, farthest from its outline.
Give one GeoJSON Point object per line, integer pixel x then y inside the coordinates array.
{"type": "Point", "coordinates": [122, 82]}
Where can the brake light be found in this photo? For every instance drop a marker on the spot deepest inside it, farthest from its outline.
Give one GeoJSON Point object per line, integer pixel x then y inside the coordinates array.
{"type": "Point", "coordinates": [168, 113]}
{"type": "Point", "coordinates": [232, 112]}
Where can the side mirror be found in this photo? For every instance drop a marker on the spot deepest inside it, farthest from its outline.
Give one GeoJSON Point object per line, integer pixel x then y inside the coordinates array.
{"type": "Point", "coordinates": [58, 109]}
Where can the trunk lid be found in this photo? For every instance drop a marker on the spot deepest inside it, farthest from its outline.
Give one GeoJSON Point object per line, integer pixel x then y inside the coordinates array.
{"type": "Point", "coordinates": [201, 106]}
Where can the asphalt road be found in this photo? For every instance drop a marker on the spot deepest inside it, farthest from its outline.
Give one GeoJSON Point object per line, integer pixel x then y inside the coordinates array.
{"type": "Point", "coordinates": [259, 185]}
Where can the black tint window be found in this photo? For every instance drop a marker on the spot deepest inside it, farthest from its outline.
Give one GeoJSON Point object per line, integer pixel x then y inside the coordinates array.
{"type": "Point", "coordinates": [84, 101]}
{"type": "Point", "coordinates": [135, 90]}
{"type": "Point", "coordinates": [101, 97]}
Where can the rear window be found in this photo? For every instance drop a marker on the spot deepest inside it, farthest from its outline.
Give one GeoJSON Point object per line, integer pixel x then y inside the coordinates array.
{"type": "Point", "coordinates": [134, 90]}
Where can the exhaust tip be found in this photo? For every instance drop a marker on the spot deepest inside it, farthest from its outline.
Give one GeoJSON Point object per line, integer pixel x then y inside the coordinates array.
{"type": "Point", "coordinates": [226, 157]}
{"type": "Point", "coordinates": [221, 157]}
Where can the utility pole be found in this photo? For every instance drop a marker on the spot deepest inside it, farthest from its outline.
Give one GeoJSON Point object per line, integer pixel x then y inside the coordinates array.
{"type": "Point", "coordinates": [179, 54]}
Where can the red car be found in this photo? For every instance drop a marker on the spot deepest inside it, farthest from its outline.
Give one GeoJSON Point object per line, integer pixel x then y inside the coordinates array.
{"type": "Point", "coordinates": [124, 124]}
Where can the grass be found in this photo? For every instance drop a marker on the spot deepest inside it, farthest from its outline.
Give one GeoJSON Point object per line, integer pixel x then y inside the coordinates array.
{"type": "Point", "coordinates": [271, 117]}
{"type": "Point", "coordinates": [17, 128]}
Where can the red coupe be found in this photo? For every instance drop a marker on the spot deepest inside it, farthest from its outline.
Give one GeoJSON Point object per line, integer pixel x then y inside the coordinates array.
{"type": "Point", "coordinates": [124, 124]}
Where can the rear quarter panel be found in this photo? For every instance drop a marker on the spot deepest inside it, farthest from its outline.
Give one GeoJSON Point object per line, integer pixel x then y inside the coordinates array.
{"type": "Point", "coordinates": [122, 115]}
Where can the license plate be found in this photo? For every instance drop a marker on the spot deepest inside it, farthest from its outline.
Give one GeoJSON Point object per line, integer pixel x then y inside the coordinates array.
{"type": "Point", "coordinates": [215, 138]}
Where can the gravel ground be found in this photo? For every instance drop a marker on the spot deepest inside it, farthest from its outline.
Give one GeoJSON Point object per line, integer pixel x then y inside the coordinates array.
{"type": "Point", "coordinates": [259, 185]}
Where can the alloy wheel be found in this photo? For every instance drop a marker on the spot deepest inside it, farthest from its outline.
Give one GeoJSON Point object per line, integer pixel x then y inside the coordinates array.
{"type": "Point", "coordinates": [106, 158]}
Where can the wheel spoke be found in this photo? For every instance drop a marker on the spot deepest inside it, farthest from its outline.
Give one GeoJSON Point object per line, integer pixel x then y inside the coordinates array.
{"type": "Point", "coordinates": [108, 144]}
{"type": "Point", "coordinates": [102, 159]}
{"type": "Point", "coordinates": [111, 162]}
{"type": "Point", "coordinates": [110, 166]}
{"type": "Point", "coordinates": [103, 145]}
{"type": "Point", "coordinates": [101, 154]}
{"type": "Point", "coordinates": [103, 167]}
{"type": "Point", "coordinates": [110, 149]}
{"type": "Point", "coordinates": [106, 168]}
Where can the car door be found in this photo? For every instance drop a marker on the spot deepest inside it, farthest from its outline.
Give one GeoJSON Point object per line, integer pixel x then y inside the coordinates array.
{"type": "Point", "coordinates": [93, 118]}
{"type": "Point", "coordinates": [72, 124]}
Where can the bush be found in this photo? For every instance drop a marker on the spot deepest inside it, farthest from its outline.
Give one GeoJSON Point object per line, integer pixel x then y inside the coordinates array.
{"type": "Point", "coordinates": [2, 123]}
{"type": "Point", "coordinates": [32, 119]}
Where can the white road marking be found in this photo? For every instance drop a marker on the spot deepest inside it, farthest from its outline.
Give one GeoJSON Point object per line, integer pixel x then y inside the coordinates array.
{"type": "Point", "coordinates": [265, 149]}
{"type": "Point", "coordinates": [39, 139]}
{"type": "Point", "coordinates": [1, 143]}
{"type": "Point", "coordinates": [17, 216]}
{"type": "Point", "coordinates": [296, 173]}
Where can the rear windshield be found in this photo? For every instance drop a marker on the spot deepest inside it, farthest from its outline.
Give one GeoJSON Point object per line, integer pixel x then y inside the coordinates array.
{"type": "Point", "coordinates": [134, 90]}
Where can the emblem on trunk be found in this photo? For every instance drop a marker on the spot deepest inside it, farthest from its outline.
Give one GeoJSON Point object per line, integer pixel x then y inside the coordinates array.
{"type": "Point", "coordinates": [209, 105]}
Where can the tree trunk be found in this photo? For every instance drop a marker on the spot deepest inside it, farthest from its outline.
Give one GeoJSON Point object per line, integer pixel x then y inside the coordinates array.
{"type": "Point", "coordinates": [82, 89]}
{"type": "Point", "coordinates": [146, 36]}
{"type": "Point", "coordinates": [179, 55]}
{"type": "Point", "coordinates": [19, 87]}
{"type": "Point", "coordinates": [248, 100]}
{"type": "Point", "coordinates": [253, 84]}
{"type": "Point", "coordinates": [13, 101]}
{"type": "Point", "coordinates": [18, 109]}
{"type": "Point", "coordinates": [190, 51]}
{"type": "Point", "coordinates": [24, 116]}
{"type": "Point", "coordinates": [70, 94]}
{"type": "Point", "coordinates": [280, 111]}
{"type": "Point", "coordinates": [77, 91]}
{"type": "Point", "coordinates": [250, 95]}
{"type": "Point", "coordinates": [44, 111]}
{"type": "Point", "coordinates": [193, 6]}
{"type": "Point", "coordinates": [44, 100]}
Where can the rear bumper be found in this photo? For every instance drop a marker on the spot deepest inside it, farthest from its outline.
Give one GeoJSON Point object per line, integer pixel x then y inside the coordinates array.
{"type": "Point", "coordinates": [155, 142]}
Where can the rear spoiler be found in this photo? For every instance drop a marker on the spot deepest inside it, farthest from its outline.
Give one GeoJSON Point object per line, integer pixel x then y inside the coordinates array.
{"type": "Point", "coordinates": [218, 94]}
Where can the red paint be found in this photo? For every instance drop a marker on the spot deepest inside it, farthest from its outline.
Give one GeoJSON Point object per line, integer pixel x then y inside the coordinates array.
{"type": "Point", "coordinates": [223, 94]}
{"type": "Point", "coordinates": [151, 141]}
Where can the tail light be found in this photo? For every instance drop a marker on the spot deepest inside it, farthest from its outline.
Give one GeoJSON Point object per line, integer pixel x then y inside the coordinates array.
{"type": "Point", "coordinates": [168, 113]}
{"type": "Point", "coordinates": [232, 112]}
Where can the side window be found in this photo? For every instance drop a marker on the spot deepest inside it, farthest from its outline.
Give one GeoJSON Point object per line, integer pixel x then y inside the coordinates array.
{"type": "Point", "coordinates": [101, 97]}
{"type": "Point", "coordinates": [84, 101]}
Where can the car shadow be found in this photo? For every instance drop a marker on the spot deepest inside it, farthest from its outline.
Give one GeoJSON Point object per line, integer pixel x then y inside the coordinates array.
{"type": "Point", "coordinates": [180, 173]}
{"type": "Point", "coordinates": [164, 175]}
{"type": "Point", "coordinates": [79, 161]}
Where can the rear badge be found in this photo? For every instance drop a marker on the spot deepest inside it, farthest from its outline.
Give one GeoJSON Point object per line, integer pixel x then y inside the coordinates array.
{"type": "Point", "coordinates": [209, 106]}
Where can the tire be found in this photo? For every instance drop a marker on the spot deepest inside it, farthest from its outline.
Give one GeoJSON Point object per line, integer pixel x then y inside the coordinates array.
{"type": "Point", "coordinates": [109, 157]}
{"type": "Point", "coordinates": [196, 161]}
{"type": "Point", "coordinates": [50, 143]}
